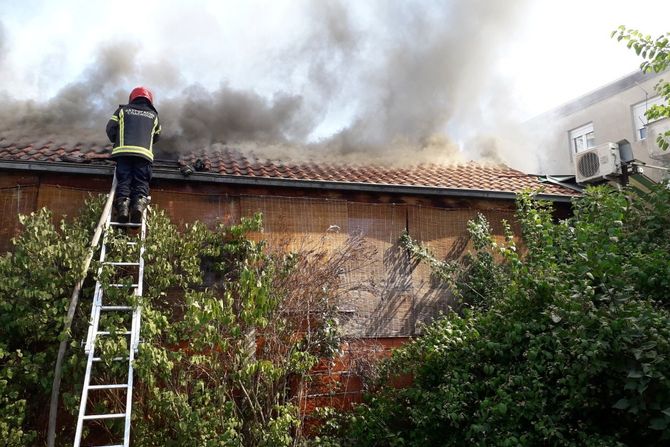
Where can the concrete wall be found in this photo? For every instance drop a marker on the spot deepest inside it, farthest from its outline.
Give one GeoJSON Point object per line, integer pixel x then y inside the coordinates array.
{"type": "Point", "coordinates": [609, 109]}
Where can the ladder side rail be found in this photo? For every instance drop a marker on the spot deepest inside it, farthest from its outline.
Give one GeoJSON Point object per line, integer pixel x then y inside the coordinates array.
{"type": "Point", "coordinates": [135, 332]}
{"type": "Point", "coordinates": [93, 321]}
{"type": "Point", "coordinates": [135, 338]}
{"type": "Point", "coordinates": [97, 296]}
{"type": "Point", "coordinates": [137, 313]}
{"type": "Point", "coordinates": [129, 397]}
{"type": "Point", "coordinates": [84, 397]}
{"type": "Point", "coordinates": [58, 370]}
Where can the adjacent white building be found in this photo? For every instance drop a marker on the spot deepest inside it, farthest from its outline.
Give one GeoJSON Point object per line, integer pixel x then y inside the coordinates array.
{"type": "Point", "coordinates": [610, 114]}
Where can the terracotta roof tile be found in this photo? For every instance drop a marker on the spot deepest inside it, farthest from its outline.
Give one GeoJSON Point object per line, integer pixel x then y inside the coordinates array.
{"type": "Point", "coordinates": [231, 162]}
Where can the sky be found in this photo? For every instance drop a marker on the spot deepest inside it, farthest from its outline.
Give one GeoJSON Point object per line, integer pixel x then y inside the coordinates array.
{"type": "Point", "coordinates": [374, 79]}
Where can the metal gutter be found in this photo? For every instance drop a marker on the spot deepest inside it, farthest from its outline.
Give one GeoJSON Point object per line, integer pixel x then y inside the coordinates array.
{"type": "Point", "coordinates": [55, 166]}
{"type": "Point", "coordinates": [174, 174]}
{"type": "Point", "coordinates": [559, 182]}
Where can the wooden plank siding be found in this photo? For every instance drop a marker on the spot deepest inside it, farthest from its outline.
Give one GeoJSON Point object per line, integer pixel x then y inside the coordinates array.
{"type": "Point", "coordinates": [389, 296]}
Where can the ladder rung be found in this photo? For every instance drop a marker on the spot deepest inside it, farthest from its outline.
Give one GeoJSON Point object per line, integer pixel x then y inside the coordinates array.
{"type": "Point", "coordinates": [131, 243]}
{"type": "Point", "coordinates": [110, 386]}
{"type": "Point", "coordinates": [121, 286]}
{"type": "Point", "coordinates": [129, 224]}
{"type": "Point", "coordinates": [113, 359]}
{"type": "Point", "coordinates": [116, 333]}
{"type": "Point", "coordinates": [122, 263]}
{"type": "Point", "coordinates": [104, 416]}
{"type": "Point", "coordinates": [116, 308]}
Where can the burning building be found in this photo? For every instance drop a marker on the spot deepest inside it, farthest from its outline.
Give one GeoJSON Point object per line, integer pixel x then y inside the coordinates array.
{"type": "Point", "coordinates": [299, 201]}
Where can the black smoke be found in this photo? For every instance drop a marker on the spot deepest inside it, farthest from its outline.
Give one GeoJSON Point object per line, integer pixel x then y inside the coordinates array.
{"type": "Point", "coordinates": [407, 75]}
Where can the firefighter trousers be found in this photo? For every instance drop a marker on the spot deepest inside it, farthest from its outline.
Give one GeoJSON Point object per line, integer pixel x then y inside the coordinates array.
{"type": "Point", "coordinates": [132, 176]}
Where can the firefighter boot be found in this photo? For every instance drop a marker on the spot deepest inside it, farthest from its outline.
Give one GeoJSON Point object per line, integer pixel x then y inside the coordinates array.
{"type": "Point", "coordinates": [122, 209]}
{"type": "Point", "coordinates": [137, 209]}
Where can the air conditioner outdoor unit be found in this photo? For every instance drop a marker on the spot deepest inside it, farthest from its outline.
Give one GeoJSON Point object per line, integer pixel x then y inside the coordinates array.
{"type": "Point", "coordinates": [653, 131]}
{"type": "Point", "coordinates": [598, 163]}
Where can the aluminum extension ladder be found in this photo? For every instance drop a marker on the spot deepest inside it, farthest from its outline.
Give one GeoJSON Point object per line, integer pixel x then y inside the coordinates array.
{"type": "Point", "coordinates": [94, 332]}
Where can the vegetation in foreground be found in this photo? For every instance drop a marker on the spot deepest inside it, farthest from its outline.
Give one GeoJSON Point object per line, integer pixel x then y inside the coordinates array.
{"type": "Point", "coordinates": [229, 331]}
{"type": "Point", "coordinates": [562, 340]}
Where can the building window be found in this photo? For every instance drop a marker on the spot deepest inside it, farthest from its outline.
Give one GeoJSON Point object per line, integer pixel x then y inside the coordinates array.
{"type": "Point", "coordinates": [640, 120]}
{"type": "Point", "coordinates": [582, 138]}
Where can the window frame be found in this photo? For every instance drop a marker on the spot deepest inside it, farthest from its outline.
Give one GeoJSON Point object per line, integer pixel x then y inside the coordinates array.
{"type": "Point", "coordinates": [643, 106]}
{"type": "Point", "coordinates": [581, 132]}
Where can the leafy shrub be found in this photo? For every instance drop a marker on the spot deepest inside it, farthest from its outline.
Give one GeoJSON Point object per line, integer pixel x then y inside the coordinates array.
{"type": "Point", "coordinates": [229, 330]}
{"type": "Point", "coordinates": [37, 280]}
{"type": "Point", "coordinates": [571, 348]}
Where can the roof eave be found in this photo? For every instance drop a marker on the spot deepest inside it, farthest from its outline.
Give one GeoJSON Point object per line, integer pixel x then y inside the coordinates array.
{"type": "Point", "coordinates": [173, 174]}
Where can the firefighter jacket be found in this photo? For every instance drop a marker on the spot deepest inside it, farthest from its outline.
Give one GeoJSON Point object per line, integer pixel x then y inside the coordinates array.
{"type": "Point", "coordinates": [134, 128]}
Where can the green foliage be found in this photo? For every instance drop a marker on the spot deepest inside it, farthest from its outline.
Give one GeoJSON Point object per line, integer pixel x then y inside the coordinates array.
{"type": "Point", "coordinates": [37, 280]}
{"type": "Point", "coordinates": [571, 349]}
{"type": "Point", "coordinates": [656, 55]}
{"type": "Point", "coordinates": [241, 312]}
{"type": "Point", "coordinates": [224, 348]}
{"type": "Point", "coordinates": [200, 381]}
{"type": "Point", "coordinates": [475, 280]}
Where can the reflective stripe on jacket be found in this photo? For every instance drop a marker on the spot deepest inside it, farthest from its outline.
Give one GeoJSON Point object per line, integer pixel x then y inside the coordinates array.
{"type": "Point", "coordinates": [134, 128]}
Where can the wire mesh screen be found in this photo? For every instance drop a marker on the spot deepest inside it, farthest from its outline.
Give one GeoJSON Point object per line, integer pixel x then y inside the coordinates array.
{"type": "Point", "coordinates": [14, 201]}
{"type": "Point", "coordinates": [299, 223]}
{"type": "Point", "coordinates": [380, 301]}
{"type": "Point", "coordinates": [444, 232]}
{"type": "Point", "coordinates": [387, 294]}
{"type": "Point", "coordinates": [182, 207]}
{"type": "Point", "coordinates": [64, 202]}
{"type": "Point", "coordinates": [67, 202]}
{"type": "Point", "coordinates": [185, 207]}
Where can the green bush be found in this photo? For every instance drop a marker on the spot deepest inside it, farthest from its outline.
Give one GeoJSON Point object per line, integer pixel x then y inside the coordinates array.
{"type": "Point", "coordinates": [37, 280]}
{"type": "Point", "coordinates": [566, 344]}
{"type": "Point", "coordinates": [224, 349]}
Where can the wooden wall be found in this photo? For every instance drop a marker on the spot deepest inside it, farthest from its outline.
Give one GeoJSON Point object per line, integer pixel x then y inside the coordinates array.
{"type": "Point", "coordinates": [390, 296]}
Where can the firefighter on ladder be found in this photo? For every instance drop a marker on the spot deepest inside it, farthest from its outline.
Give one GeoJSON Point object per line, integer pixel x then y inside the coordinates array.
{"type": "Point", "coordinates": [133, 129]}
